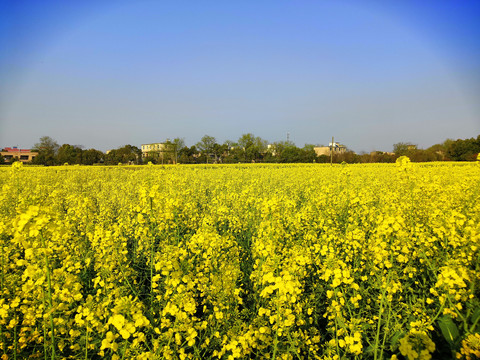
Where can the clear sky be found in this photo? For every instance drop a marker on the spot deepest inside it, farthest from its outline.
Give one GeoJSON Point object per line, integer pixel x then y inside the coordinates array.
{"type": "Point", "coordinates": [108, 73]}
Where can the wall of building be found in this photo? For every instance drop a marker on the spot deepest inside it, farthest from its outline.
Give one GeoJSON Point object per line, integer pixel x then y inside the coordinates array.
{"type": "Point", "coordinates": [325, 150]}
{"type": "Point", "coordinates": [23, 155]}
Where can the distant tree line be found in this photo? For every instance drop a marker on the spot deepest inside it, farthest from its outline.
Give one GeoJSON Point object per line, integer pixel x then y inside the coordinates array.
{"type": "Point", "coordinates": [449, 150]}
{"type": "Point", "coordinates": [251, 149]}
{"type": "Point", "coordinates": [247, 149]}
{"type": "Point", "coordinates": [50, 153]}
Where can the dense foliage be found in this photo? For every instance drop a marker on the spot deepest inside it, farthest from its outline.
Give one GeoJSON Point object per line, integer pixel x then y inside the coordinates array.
{"type": "Point", "coordinates": [247, 149]}
{"type": "Point", "coordinates": [240, 261]}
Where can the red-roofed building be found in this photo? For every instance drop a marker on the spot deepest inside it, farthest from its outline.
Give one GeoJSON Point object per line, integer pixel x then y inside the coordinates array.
{"type": "Point", "coordinates": [23, 155]}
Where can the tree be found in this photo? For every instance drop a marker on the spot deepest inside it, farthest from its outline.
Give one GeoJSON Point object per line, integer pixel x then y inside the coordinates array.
{"type": "Point", "coordinates": [169, 152]}
{"type": "Point", "coordinates": [2, 159]}
{"type": "Point", "coordinates": [46, 148]}
{"type": "Point", "coordinates": [348, 157]}
{"type": "Point", "coordinates": [150, 159]}
{"type": "Point", "coordinates": [46, 143]}
{"type": "Point", "coordinates": [186, 155]}
{"type": "Point", "coordinates": [437, 152]}
{"type": "Point", "coordinates": [401, 148]}
{"type": "Point", "coordinates": [71, 154]}
{"type": "Point", "coordinates": [252, 147]}
{"type": "Point", "coordinates": [92, 156]}
{"type": "Point", "coordinates": [232, 152]}
{"type": "Point", "coordinates": [283, 151]}
{"type": "Point", "coordinates": [219, 152]}
{"type": "Point", "coordinates": [179, 142]}
{"type": "Point", "coordinates": [309, 153]}
{"type": "Point", "coordinates": [246, 140]}
{"type": "Point", "coordinates": [291, 154]}
{"type": "Point", "coordinates": [464, 150]}
{"type": "Point", "coordinates": [127, 154]}
{"type": "Point", "coordinates": [206, 146]}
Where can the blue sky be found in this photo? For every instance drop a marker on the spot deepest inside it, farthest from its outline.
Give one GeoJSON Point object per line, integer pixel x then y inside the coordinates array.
{"type": "Point", "coordinates": [371, 73]}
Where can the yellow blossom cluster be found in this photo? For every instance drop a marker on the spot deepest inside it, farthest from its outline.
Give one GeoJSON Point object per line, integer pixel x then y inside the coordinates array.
{"type": "Point", "coordinates": [273, 261]}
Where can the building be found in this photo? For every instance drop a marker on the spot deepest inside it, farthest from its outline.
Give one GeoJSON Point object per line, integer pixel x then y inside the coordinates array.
{"type": "Point", "coordinates": [23, 155]}
{"type": "Point", "coordinates": [152, 150]}
{"type": "Point", "coordinates": [325, 150]}
{"type": "Point", "coordinates": [271, 149]}
{"type": "Point", "coordinates": [161, 152]}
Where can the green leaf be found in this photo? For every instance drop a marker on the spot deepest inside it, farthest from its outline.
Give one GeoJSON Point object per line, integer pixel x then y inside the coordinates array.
{"type": "Point", "coordinates": [395, 338]}
{"type": "Point", "coordinates": [449, 329]}
{"type": "Point", "coordinates": [476, 315]}
{"type": "Point", "coordinates": [475, 319]}
{"type": "Point", "coordinates": [369, 350]}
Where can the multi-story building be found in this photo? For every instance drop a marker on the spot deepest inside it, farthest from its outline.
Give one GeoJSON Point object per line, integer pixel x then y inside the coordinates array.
{"type": "Point", "coordinates": [326, 150]}
{"type": "Point", "coordinates": [23, 155]}
{"type": "Point", "coordinates": [152, 150]}
{"type": "Point", "coordinates": [162, 152]}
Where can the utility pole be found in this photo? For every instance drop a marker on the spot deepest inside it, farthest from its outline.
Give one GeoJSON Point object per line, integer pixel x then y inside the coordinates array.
{"type": "Point", "coordinates": [331, 152]}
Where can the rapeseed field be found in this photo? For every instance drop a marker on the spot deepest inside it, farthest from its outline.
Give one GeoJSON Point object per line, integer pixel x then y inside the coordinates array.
{"type": "Point", "coordinates": [378, 261]}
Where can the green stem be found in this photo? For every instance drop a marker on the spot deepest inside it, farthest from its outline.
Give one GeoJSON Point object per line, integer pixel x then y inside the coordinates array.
{"type": "Point", "coordinates": [336, 327]}
{"type": "Point", "coordinates": [472, 328]}
{"type": "Point", "coordinates": [386, 326]}
{"type": "Point", "coordinates": [128, 282]}
{"type": "Point", "coordinates": [275, 343]}
{"type": "Point", "coordinates": [379, 324]}
{"type": "Point", "coordinates": [292, 346]}
{"type": "Point", "coordinates": [44, 329]}
{"type": "Point", "coordinates": [437, 314]}
{"type": "Point", "coordinates": [50, 303]}
{"type": "Point", "coordinates": [151, 270]}
{"type": "Point", "coordinates": [2, 279]}
{"type": "Point", "coordinates": [124, 350]}
{"type": "Point", "coordinates": [472, 288]}
{"type": "Point", "coordinates": [2, 339]}
{"type": "Point", "coordinates": [86, 344]}
{"type": "Point", "coordinates": [152, 242]}
{"type": "Point", "coordinates": [15, 338]}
